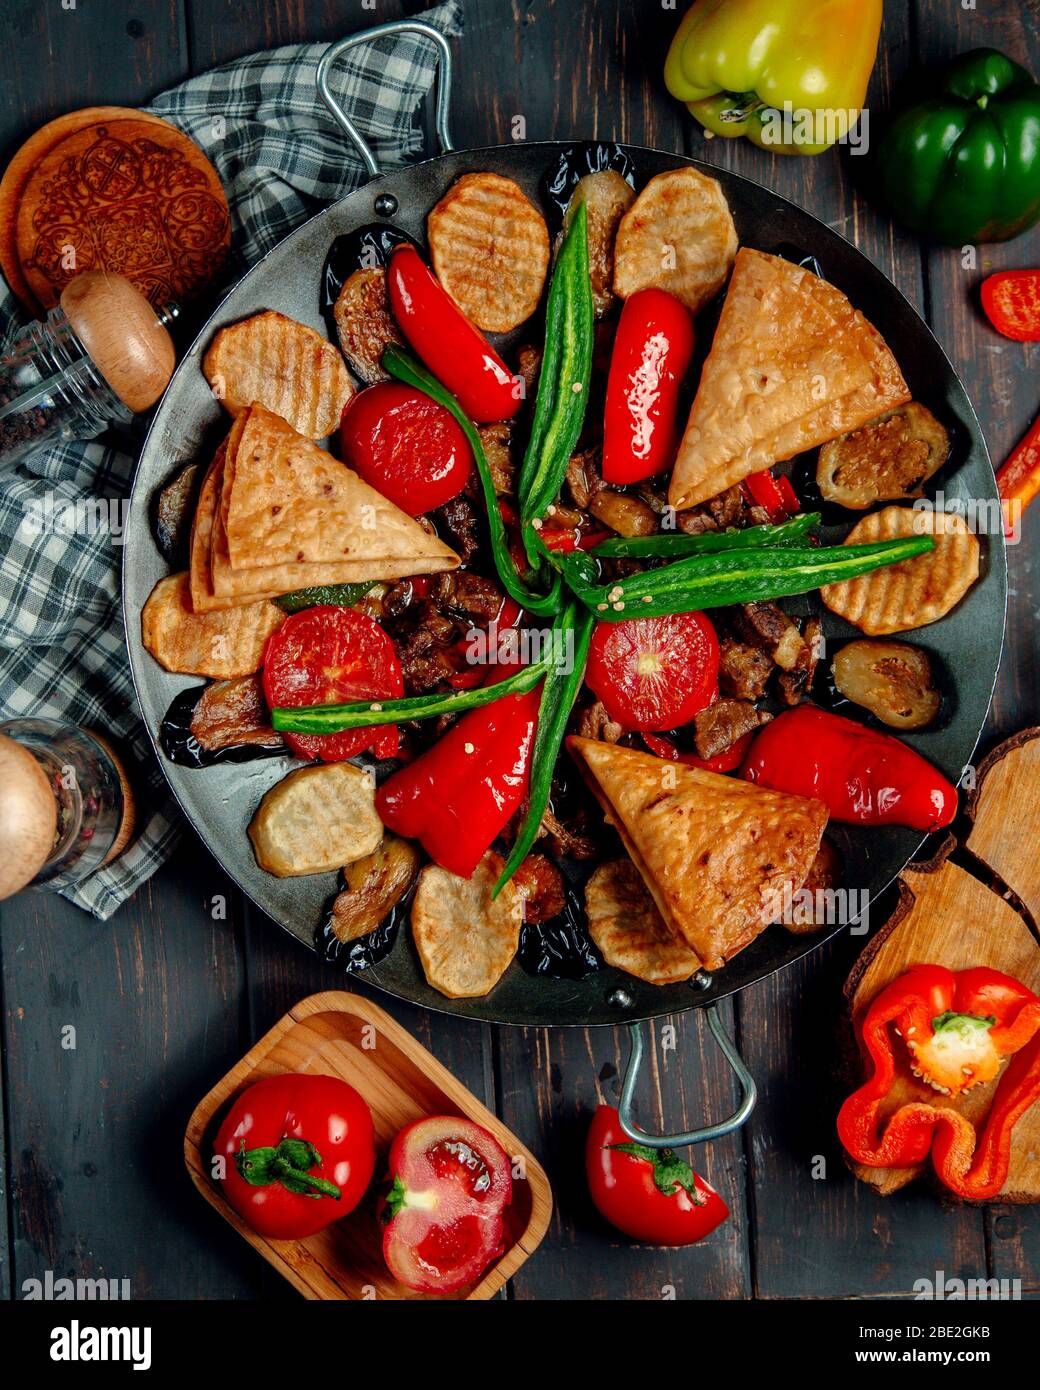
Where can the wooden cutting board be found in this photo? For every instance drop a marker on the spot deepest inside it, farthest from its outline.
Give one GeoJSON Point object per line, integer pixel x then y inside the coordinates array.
{"type": "Point", "coordinates": [110, 188]}
{"type": "Point", "coordinates": [949, 916]}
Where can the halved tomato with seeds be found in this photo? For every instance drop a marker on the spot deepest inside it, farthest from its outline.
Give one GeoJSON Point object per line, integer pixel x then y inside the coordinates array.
{"type": "Point", "coordinates": [450, 1182]}
{"type": "Point", "coordinates": [654, 673]}
{"type": "Point", "coordinates": [329, 655]}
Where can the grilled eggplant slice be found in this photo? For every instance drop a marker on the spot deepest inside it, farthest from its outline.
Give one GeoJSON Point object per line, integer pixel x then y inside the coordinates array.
{"type": "Point", "coordinates": [374, 887]}
{"type": "Point", "coordinates": [893, 680]}
{"type": "Point", "coordinates": [174, 510]}
{"type": "Point", "coordinates": [226, 722]}
{"type": "Point", "coordinates": [887, 460]}
{"type": "Point", "coordinates": [364, 324]}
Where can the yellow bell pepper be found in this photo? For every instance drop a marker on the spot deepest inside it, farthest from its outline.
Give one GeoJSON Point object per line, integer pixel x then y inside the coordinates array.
{"type": "Point", "coordinates": [791, 75]}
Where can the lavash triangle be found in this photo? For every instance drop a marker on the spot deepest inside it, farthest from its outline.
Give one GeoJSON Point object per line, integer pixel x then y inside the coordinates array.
{"type": "Point", "coordinates": [716, 853]}
{"type": "Point", "coordinates": [792, 365]}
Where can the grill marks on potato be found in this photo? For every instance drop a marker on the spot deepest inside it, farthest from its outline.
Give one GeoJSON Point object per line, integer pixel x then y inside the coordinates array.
{"type": "Point", "coordinates": [490, 250]}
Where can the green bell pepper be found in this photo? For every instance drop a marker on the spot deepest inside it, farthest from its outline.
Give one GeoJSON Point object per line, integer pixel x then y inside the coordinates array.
{"type": "Point", "coordinates": [791, 75]}
{"type": "Point", "coordinates": [964, 166]}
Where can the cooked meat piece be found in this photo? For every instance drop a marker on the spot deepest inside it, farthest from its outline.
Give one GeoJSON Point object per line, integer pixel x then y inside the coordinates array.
{"type": "Point", "coordinates": [466, 594]}
{"type": "Point", "coordinates": [595, 722]}
{"type": "Point", "coordinates": [696, 522]}
{"type": "Point", "coordinates": [364, 324]}
{"type": "Point", "coordinates": [722, 723]}
{"type": "Point", "coordinates": [626, 515]}
{"type": "Point", "coordinates": [528, 367]}
{"type": "Point", "coordinates": [583, 477]}
{"type": "Point", "coordinates": [232, 712]}
{"type": "Point", "coordinates": [497, 441]}
{"type": "Point", "coordinates": [459, 525]}
{"type": "Point", "coordinates": [886, 460]}
{"type": "Point", "coordinates": [174, 512]}
{"type": "Point", "coordinates": [567, 842]}
{"type": "Point", "coordinates": [541, 883]}
{"type": "Point", "coordinates": [566, 516]}
{"type": "Point", "coordinates": [729, 508]}
{"type": "Point", "coordinates": [399, 598]}
{"type": "Point", "coordinates": [744, 670]}
{"type": "Point", "coordinates": [767, 626]}
{"type": "Point", "coordinates": [796, 683]}
{"type": "Point", "coordinates": [655, 494]}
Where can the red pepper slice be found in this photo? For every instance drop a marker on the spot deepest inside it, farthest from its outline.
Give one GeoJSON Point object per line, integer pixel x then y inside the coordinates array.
{"type": "Point", "coordinates": [774, 493]}
{"type": "Point", "coordinates": [726, 761]}
{"type": "Point", "coordinates": [457, 797]}
{"type": "Point", "coordinates": [565, 539]}
{"type": "Point", "coordinates": [1018, 482]}
{"type": "Point", "coordinates": [455, 350]}
{"type": "Point", "coordinates": [1011, 299]}
{"type": "Point", "coordinates": [958, 1027]}
{"type": "Point", "coordinates": [652, 352]}
{"type": "Point", "coordinates": [861, 776]}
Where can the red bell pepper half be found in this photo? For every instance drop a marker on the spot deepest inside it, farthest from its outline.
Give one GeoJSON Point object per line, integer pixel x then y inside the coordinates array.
{"type": "Point", "coordinates": [460, 793]}
{"type": "Point", "coordinates": [958, 1028]}
{"type": "Point", "coordinates": [652, 352]}
{"type": "Point", "coordinates": [862, 776]}
{"type": "Point", "coordinates": [455, 350]}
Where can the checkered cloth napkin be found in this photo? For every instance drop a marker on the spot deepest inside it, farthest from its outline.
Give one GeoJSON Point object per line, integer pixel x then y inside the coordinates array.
{"type": "Point", "coordinates": [280, 157]}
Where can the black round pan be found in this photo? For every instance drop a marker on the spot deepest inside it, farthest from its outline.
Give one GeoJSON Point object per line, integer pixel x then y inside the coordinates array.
{"type": "Point", "coordinates": [220, 801]}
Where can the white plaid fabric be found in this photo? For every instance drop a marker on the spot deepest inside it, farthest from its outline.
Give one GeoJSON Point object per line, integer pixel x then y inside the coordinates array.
{"type": "Point", "coordinates": [280, 157]}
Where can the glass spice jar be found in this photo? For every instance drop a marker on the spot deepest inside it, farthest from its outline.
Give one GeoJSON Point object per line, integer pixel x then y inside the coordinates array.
{"type": "Point", "coordinates": [100, 356]}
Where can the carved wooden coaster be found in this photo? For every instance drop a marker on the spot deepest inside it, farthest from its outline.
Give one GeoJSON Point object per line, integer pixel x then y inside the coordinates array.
{"type": "Point", "coordinates": [109, 188]}
{"type": "Point", "coordinates": [947, 916]}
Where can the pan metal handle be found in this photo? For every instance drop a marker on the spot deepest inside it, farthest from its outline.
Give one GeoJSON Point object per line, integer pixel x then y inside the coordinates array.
{"type": "Point", "coordinates": [748, 1091]}
{"type": "Point", "coordinates": [397, 26]}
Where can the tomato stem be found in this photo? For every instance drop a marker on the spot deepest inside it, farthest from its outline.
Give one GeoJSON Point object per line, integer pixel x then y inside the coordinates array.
{"type": "Point", "coordinates": [288, 1163]}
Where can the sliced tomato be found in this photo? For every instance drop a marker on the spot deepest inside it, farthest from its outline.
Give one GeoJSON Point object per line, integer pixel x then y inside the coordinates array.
{"type": "Point", "coordinates": [450, 1182]}
{"type": "Point", "coordinates": [1011, 299]}
{"type": "Point", "coordinates": [727, 761]}
{"type": "Point", "coordinates": [654, 673]}
{"type": "Point", "coordinates": [406, 446]}
{"type": "Point", "coordinates": [329, 655]}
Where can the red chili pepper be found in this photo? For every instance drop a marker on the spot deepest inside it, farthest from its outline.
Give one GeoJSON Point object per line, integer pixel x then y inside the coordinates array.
{"type": "Point", "coordinates": [863, 777]}
{"type": "Point", "coordinates": [1018, 482]}
{"type": "Point", "coordinates": [774, 493]}
{"type": "Point", "coordinates": [566, 539]}
{"type": "Point", "coordinates": [957, 1027]}
{"type": "Point", "coordinates": [1011, 299]}
{"type": "Point", "coordinates": [454, 349]}
{"type": "Point", "coordinates": [726, 761]}
{"type": "Point", "coordinates": [459, 794]}
{"type": "Point", "coordinates": [652, 352]}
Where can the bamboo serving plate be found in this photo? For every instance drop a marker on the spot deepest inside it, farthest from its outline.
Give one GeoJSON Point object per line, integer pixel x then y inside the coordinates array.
{"type": "Point", "coordinates": [343, 1035]}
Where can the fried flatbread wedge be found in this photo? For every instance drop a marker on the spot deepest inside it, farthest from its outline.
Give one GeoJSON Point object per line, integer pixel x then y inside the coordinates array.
{"type": "Point", "coordinates": [915, 592]}
{"type": "Point", "coordinates": [490, 248]}
{"type": "Point", "coordinates": [792, 365]}
{"type": "Point", "coordinates": [629, 932]}
{"type": "Point", "coordinates": [465, 939]}
{"type": "Point", "coordinates": [204, 598]}
{"type": "Point", "coordinates": [316, 819]}
{"type": "Point", "coordinates": [219, 644]}
{"type": "Point", "coordinates": [284, 501]}
{"type": "Point", "coordinates": [364, 324]}
{"type": "Point", "coordinates": [715, 852]}
{"type": "Point", "coordinates": [285, 365]}
{"type": "Point", "coordinates": [678, 236]}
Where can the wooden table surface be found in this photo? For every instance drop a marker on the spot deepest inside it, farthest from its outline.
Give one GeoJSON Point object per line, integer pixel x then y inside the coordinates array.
{"type": "Point", "coordinates": [166, 995]}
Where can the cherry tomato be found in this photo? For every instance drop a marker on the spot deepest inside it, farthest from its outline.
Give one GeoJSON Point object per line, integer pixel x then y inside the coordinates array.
{"type": "Point", "coordinates": [406, 446]}
{"type": "Point", "coordinates": [329, 655]}
{"type": "Point", "coordinates": [298, 1154]}
{"type": "Point", "coordinates": [654, 673]}
{"type": "Point", "coordinates": [450, 1182]}
{"type": "Point", "coordinates": [455, 350]}
{"type": "Point", "coordinates": [649, 1194]}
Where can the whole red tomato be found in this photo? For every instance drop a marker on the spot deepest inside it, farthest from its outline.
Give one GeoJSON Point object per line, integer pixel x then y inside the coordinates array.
{"type": "Point", "coordinates": [649, 1194]}
{"type": "Point", "coordinates": [299, 1154]}
{"type": "Point", "coordinates": [406, 446]}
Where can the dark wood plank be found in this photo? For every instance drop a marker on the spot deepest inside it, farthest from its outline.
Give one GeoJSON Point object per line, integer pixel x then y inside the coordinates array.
{"type": "Point", "coordinates": [98, 1187]}
{"type": "Point", "coordinates": [220, 30]}
{"type": "Point", "coordinates": [56, 59]}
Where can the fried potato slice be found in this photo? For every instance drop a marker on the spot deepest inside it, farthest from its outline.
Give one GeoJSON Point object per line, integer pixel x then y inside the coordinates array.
{"type": "Point", "coordinates": [607, 197]}
{"type": "Point", "coordinates": [628, 930]}
{"type": "Point", "coordinates": [316, 819]}
{"type": "Point", "coordinates": [364, 324]}
{"type": "Point", "coordinates": [465, 939]}
{"type": "Point", "coordinates": [915, 592]}
{"type": "Point", "coordinates": [678, 236]}
{"type": "Point", "coordinates": [286, 366]}
{"type": "Point", "coordinates": [885, 460]}
{"type": "Point", "coordinates": [219, 644]}
{"type": "Point", "coordinates": [490, 248]}
{"type": "Point", "coordinates": [716, 853]}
